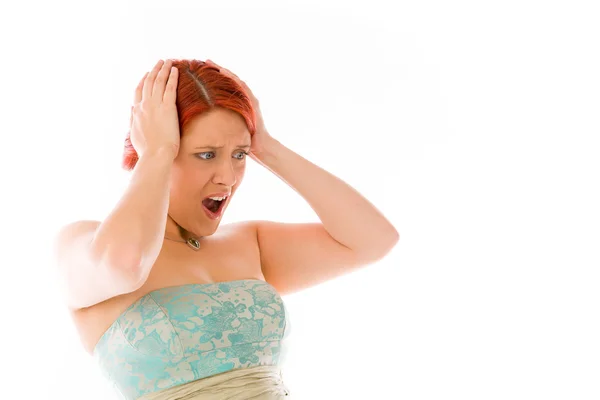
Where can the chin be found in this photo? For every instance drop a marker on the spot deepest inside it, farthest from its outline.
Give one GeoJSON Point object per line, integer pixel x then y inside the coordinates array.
{"type": "Point", "coordinates": [205, 226]}
{"type": "Point", "coordinates": [209, 230]}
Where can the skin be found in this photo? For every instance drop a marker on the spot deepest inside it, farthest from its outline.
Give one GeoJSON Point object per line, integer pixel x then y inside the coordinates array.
{"type": "Point", "coordinates": [211, 159]}
{"type": "Point", "coordinates": [351, 232]}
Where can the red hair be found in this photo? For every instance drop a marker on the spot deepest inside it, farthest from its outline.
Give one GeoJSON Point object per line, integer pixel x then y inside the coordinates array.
{"type": "Point", "coordinates": [200, 88]}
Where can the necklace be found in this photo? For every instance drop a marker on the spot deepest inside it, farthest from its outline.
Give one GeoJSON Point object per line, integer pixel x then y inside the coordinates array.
{"type": "Point", "coordinates": [192, 242]}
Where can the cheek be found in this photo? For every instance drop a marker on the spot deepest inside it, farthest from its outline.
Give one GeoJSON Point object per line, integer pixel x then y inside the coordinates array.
{"type": "Point", "coordinates": [189, 178]}
{"type": "Point", "coordinates": [240, 171]}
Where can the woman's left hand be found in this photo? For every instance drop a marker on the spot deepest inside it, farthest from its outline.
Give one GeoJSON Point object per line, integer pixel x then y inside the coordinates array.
{"type": "Point", "coordinates": [261, 136]}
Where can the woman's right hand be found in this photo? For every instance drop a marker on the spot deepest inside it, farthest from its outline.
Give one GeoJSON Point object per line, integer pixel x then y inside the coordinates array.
{"type": "Point", "coordinates": [154, 122]}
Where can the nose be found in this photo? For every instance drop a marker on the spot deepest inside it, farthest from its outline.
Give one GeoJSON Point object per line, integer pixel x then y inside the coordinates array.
{"type": "Point", "coordinates": [225, 174]}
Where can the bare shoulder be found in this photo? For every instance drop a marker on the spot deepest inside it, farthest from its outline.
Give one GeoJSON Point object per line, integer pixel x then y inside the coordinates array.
{"type": "Point", "coordinates": [240, 229]}
{"type": "Point", "coordinates": [242, 235]}
{"type": "Point", "coordinates": [84, 223]}
{"type": "Point", "coordinates": [70, 234]}
{"type": "Point", "coordinates": [82, 283]}
{"type": "Point", "coordinates": [75, 228]}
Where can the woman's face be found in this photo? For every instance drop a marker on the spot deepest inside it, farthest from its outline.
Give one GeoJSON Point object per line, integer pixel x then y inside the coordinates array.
{"type": "Point", "coordinates": [211, 163]}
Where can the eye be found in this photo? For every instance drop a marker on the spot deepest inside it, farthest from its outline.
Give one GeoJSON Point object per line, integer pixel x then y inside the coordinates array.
{"type": "Point", "coordinates": [241, 154]}
{"type": "Point", "coordinates": [202, 155]}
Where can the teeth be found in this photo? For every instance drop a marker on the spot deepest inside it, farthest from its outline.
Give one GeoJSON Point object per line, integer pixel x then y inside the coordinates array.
{"type": "Point", "coordinates": [218, 198]}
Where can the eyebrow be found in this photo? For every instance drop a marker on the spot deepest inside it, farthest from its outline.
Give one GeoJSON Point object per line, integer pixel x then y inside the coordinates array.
{"type": "Point", "coordinates": [219, 147]}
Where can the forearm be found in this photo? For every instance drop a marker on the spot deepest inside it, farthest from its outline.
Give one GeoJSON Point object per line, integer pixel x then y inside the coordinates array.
{"type": "Point", "coordinates": [131, 237]}
{"type": "Point", "coordinates": [346, 215]}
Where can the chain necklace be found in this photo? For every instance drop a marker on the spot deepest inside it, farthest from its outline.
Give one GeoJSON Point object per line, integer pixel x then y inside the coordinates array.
{"type": "Point", "coordinates": [192, 242]}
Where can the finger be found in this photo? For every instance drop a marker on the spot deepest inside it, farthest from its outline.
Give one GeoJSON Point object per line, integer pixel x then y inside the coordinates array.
{"type": "Point", "coordinates": [131, 118]}
{"type": "Point", "coordinates": [225, 70]}
{"type": "Point", "coordinates": [138, 90]}
{"type": "Point", "coordinates": [149, 81]}
{"type": "Point", "coordinates": [161, 79]}
{"type": "Point", "coordinates": [228, 72]}
{"type": "Point", "coordinates": [210, 62]}
{"type": "Point", "coordinates": [171, 88]}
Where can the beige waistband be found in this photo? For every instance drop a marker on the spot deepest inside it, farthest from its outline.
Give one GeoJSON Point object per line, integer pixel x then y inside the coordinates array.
{"type": "Point", "coordinates": [257, 383]}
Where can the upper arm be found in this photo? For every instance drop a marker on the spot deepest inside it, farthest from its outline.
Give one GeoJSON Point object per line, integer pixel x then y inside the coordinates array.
{"type": "Point", "coordinates": [85, 279]}
{"type": "Point", "coordinates": [296, 256]}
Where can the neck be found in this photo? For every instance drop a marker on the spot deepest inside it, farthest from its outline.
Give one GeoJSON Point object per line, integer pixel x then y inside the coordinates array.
{"type": "Point", "coordinates": [174, 231]}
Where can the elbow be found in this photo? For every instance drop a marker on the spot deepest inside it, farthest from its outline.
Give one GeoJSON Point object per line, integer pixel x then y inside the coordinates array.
{"type": "Point", "coordinates": [395, 238]}
{"type": "Point", "coordinates": [379, 247]}
{"type": "Point", "coordinates": [388, 240]}
{"type": "Point", "coordinates": [389, 243]}
{"type": "Point", "coordinates": [125, 271]}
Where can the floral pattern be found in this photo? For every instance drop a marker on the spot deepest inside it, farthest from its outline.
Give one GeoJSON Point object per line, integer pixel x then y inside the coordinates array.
{"type": "Point", "coordinates": [179, 334]}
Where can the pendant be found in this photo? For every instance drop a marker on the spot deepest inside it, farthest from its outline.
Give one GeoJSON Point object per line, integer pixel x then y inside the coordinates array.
{"type": "Point", "coordinates": [193, 243]}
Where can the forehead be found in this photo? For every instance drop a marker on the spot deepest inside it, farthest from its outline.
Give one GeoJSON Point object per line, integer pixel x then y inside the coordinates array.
{"type": "Point", "coordinates": [216, 127]}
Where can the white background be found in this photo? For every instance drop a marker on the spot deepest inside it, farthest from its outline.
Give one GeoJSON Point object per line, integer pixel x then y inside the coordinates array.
{"type": "Point", "coordinates": [473, 126]}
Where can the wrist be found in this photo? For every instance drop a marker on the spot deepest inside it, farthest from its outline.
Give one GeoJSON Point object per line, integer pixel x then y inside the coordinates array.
{"type": "Point", "coordinates": [168, 153]}
{"type": "Point", "coordinates": [159, 158]}
{"type": "Point", "coordinates": [270, 150]}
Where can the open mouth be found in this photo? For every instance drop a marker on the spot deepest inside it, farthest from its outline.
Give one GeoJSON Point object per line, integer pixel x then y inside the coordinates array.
{"type": "Point", "coordinates": [214, 204]}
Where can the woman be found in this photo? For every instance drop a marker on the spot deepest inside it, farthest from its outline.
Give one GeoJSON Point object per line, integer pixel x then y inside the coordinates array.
{"type": "Point", "coordinates": [172, 304]}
